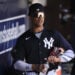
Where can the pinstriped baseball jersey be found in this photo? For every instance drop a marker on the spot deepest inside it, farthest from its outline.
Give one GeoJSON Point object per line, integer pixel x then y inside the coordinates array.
{"type": "Point", "coordinates": [35, 49]}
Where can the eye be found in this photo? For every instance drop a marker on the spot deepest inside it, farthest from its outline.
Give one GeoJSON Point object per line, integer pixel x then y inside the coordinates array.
{"type": "Point", "coordinates": [41, 14]}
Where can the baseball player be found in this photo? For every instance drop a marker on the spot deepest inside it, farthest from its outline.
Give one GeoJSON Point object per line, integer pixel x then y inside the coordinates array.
{"type": "Point", "coordinates": [33, 54]}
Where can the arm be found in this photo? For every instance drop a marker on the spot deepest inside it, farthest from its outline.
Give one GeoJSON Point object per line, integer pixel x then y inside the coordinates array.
{"type": "Point", "coordinates": [18, 54]}
{"type": "Point", "coordinates": [22, 66]}
{"type": "Point", "coordinates": [64, 57]}
{"type": "Point", "coordinates": [67, 56]}
{"type": "Point", "coordinates": [66, 47]}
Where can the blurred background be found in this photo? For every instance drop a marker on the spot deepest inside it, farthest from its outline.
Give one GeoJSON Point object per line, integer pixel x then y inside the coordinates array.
{"type": "Point", "coordinates": [60, 14]}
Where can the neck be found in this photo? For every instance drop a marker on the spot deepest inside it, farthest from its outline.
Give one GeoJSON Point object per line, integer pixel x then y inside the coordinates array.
{"type": "Point", "coordinates": [38, 29]}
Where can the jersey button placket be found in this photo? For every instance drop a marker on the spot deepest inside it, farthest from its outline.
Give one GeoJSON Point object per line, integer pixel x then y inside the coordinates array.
{"type": "Point", "coordinates": [40, 52]}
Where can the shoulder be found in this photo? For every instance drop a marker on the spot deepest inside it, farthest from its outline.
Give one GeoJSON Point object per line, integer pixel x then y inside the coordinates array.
{"type": "Point", "coordinates": [27, 33]}
{"type": "Point", "coordinates": [24, 35]}
{"type": "Point", "coordinates": [52, 31]}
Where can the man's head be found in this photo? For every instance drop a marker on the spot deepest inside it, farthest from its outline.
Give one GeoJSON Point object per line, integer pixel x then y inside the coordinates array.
{"type": "Point", "coordinates": [36, 12]}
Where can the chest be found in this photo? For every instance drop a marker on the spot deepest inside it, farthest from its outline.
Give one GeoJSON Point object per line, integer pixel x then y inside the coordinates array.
{"type": "Point", "coordinates": [43, 43]}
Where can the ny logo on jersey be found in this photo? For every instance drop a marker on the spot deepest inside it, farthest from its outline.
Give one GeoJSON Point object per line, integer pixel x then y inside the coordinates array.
{"type": "Point", "coordinates": [48, 43]}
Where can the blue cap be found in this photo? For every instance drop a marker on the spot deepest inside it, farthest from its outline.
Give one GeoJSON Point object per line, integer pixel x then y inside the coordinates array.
{"type": "Point", "coordinates": [35, 8]}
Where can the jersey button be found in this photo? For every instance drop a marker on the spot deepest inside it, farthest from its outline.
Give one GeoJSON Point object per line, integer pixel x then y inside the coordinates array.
{"type": "Point", "coordinates": [40, 52]}
{"type": "Point", "coordinates": [39, 44]}
{"type": "Point", "coordinates": [40, 61]}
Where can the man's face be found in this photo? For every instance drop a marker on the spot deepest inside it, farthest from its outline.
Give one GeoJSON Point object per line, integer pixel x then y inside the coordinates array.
{"type": "Point", "coordinates": [38, 19]}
